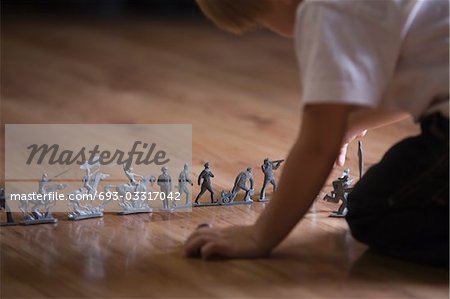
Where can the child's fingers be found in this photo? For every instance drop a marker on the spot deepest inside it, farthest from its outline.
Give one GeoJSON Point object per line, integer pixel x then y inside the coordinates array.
{"type": "Point", "coordinates": [204, 225]}
{"type": "Point", "coordinates": [193, 247]}
{"type": "Point", "coordinates": [201, 232]}
{"type": "Point", "coordinates": [362, 134]}
{"type": "Point", "coordinates": [342, 154]}
{"type": "Point", "coordinates": [214, 248]}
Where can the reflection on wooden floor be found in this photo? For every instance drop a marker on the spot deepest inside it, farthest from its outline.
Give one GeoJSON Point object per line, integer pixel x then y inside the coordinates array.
{"type": "Point", "coordinates": [141, 256]}
{"type": "Point", "coordinates": [242, 97]}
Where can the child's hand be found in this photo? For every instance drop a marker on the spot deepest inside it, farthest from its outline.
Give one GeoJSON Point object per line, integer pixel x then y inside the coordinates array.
{"type": "Point", "coordinates": [236, 242]}
{"type": "Point", "coordinates": [340, 161]}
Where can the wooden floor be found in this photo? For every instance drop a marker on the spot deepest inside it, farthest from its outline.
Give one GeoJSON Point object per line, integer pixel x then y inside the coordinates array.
{"type": "Point", "coordinates": [242, 97]}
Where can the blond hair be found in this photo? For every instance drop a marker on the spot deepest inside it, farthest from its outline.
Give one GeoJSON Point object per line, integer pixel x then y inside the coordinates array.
{"type": "Point", "coordinates": [236, 16]}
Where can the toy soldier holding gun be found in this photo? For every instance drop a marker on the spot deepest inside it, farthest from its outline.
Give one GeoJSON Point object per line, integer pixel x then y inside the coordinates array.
{"type": "Point", "coordinates": [267, 168]}
{"type": "Point", "coordinates": [43, 183]}
{"type": "Point", "coordinates": [206, 175]}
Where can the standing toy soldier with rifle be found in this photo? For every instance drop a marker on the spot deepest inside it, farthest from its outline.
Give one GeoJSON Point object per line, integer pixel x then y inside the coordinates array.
{"type": "Point", "coordinates": [267, 168]}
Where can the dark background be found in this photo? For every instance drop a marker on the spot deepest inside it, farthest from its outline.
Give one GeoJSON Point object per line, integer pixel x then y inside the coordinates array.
{"type": "Point", "coordinates": [96, 8]}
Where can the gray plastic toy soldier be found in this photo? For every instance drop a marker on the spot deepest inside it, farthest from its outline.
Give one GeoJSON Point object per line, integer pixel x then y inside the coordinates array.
{"type": "Point", "coordinates": [165, 185]}
{"type": "Point", "coordinates": [267, 168]}
{"type": "Point", "coordinates": [91, 182]}
{"type": "Point", "coordinates": [360, 159]}
{"type": "Point", "coordinates": [345, 177]}
{"type": "Point", "coordinates": [132, 177]}
{"type": "Point", "coordinates": [227, 197]}
{"type": "Point", "coordinates": [241, 184]}
{"type": "Point", "coordinates": [86, 180]}
{"type": "Point", "coordinates": [206, 176]}
{"type": "Point", "coordinates": [43, 183]}
{"type": "Point", "coordinates": [40, 210]}
{"type": "Point", "coordinates": [183, 181]}
{"type": "Point", "coordinates": [341, 188]}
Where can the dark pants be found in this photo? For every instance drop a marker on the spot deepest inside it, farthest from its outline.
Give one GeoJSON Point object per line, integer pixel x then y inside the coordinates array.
{"type": "Point", "coordinates": [205, 187]}
{"type": "Point", "coordinates": [401, 205]}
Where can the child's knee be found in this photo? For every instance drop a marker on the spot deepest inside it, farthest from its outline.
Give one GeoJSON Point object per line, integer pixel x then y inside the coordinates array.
{"type": "Point", "coordinates": [358, 203]}
{"type": "Point", "coordinates": [361, 216]}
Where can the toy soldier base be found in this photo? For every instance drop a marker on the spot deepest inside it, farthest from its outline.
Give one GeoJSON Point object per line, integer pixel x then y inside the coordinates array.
{"type": "Point", "coordinates": [136, 211]}
{"type": "Point", "coordinates": [341, 213]}
{"type": "Point", "coordinates": [227, 199]}
{"type": "Point", "coordinates": [209, 204]}
{"type": "Point", "coordinates": [134, 207]}
{"type": "Point", "coordinates": [37, 218]}
{"type": "Point", "coordinates": [165, 210]}
{"type": "Point", "coordinates": [81, 216]}
{"type": "Point", "coordinates": [182, 206]}
{"type": "Point", "coordinates": [30, 220]}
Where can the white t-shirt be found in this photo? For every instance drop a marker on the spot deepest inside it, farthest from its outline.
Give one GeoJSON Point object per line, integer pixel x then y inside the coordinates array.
{"type": "Point", "coordinates": [391, 54]}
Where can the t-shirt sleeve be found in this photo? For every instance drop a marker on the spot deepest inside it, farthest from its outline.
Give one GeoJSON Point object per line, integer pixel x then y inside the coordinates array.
{"type": "Point", "coordinates": [347, 50]}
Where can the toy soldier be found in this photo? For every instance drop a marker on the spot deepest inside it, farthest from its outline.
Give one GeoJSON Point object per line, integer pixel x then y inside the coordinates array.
{"type": "Point", "coordinates": [360, 159]}
{"type": "Point", "coordinates": [42, 188]}
{"type": "Point", "coordinates": [87, 177]}
{"type": "Point", "coordinates": [267, 168]}
{"type": "Point", "coordinates": [183, 180]}
{"type": "Point", "coordinates": [86, 180]}
{"type": "Point", "coordinates": [43, 184]}
{"type": "Point", "coordinates": [341, 188]}
{"type": "Point", "coordinates": [241, 184]}
{"type": "Point", "coordinates": [345, 177]}
{"type": "Point", "coordinates": [40, 212]}
{"type": "Point", "coordinates": [206, 175]}
{"type": "Point", "coordinates": [132, 177]}
{"type": "Point", "coordinates": [165, 185]}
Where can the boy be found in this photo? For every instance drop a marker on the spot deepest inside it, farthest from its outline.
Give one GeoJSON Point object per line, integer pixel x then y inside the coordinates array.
{"type": "Point", "coordinates": [363, 64]}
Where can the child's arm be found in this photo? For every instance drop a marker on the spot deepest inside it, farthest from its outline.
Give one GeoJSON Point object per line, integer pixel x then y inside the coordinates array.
{"type": "Point", "coordinates": [366, 119]}
{"type": "Point", "coordinates": [305, 172]}
{"type": "Point", "coordinates": [307, 168]}
{"type": "Point", "coordinates": [360, 120]}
